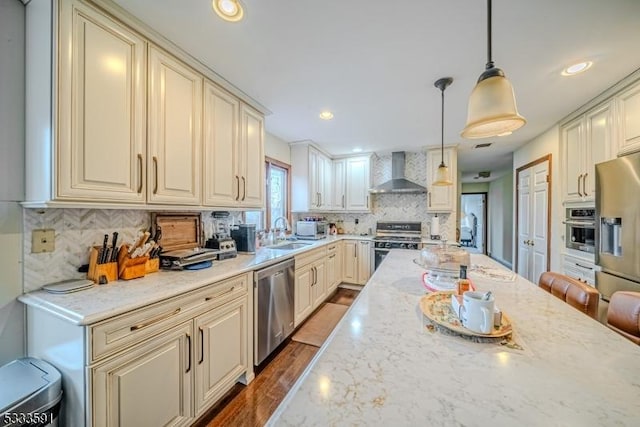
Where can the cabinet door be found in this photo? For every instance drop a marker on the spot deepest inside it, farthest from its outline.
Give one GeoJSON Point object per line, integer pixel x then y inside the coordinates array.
{"type": "Point", "coordinates": [338, 195]}
{"type": "Point", "coordinates": [175, 109]}
{"type": "Point", "coordinates": [319, 284]}
{"type": "Point", "coordinates": [314, 179]}
{"type": "Point", "coordinates": [149, 385]}
{"type": "Point", "coordinates": [251, 155]}
{"type": "Point", "coordinates": [629, 110]}
{"type": "Point", "coordinates": [573, 159]}
{"type": "Point", "coordinates": [303, 299]}
{"type": "Point", "coordinates": [101, 111]}
{"type": "Point", "coordinates": [358, 182]}
{"type": "Point", "coordinates": [222, 181]}
{"type": "Point", "coordinates": [220, 351]}
{"type": "Point", "coordinates": [441, 198]}
{"type": "Point", "coordinates": [597, 146]}
{"type": "Point", "coordinates": [350, 261]}
{"type": "Point", "coordinates": [333, 266]}
{"type": "Point", "coordinates": [364, 261]}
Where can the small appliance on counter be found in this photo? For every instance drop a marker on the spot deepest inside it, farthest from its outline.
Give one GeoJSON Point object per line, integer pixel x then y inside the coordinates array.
{"type": "Point", "coordinates": [182, 241]}
{"type": "Point", "coordinates": [245, 237]}
{"type": "Point", "coordinates": [313, 229]}
{"type": "Point", "coordinates": [220, 238]}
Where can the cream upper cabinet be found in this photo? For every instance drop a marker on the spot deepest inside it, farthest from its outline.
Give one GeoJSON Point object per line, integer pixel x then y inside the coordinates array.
{"type": "Point", "coordinates": [175, 137]}
{"type": "Point", "coordinates": [629, 116]}
{"type": "Point", "coordinates": [310, 179]}
{"type": "Point", "coordinates": [221, 124]}
{"type": "Point", "coordinates": [586, 141]}
{"type": "Point", "coordinates": [101, 109]}
{"type": "Point", "coordinates": [358, 182]}
{"type": "Point", "coordinates": [441, 199]}
{"type": "Point", "coordinates": [338, 192]}
{"type": "Point", "coordinates": [251, 158]}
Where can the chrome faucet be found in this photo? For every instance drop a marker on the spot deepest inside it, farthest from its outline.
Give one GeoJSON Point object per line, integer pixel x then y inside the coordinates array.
{"type": "Point", "coordinates": [281, 235]}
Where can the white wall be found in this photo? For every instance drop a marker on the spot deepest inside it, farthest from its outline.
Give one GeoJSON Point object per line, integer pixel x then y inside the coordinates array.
{"type": "Point", "coordinates": [500, 219]}
{"type": "Point", "coordinates": [547, 143]}
{"type": "Point", "coordinates": [12, 325]}
{"type": "Point", "coordinates": [475, 187]}
{"type": "Point", "coordinates": [276, 148]}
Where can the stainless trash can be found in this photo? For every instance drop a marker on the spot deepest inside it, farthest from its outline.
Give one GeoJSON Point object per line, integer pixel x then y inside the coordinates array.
{"type": "Point", "coordinates": [30, 393]}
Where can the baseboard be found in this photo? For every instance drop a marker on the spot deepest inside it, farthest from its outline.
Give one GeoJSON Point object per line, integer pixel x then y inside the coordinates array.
{"type": "Point", "coordinates": [351, 286]}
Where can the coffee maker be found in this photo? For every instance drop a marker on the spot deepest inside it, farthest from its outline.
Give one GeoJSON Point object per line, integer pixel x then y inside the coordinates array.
{"type": "Point", "coordinates": [245, 237]}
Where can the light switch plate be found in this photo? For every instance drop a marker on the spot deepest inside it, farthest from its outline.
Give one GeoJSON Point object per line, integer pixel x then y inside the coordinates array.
{"type": "Point", "coordinates": [43, 241]}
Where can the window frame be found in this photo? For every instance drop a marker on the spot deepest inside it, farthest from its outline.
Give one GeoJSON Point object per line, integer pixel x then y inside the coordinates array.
{"type": "Point", "coordinates": [269, 163]}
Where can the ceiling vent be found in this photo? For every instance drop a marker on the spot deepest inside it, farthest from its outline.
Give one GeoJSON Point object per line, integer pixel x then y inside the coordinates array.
{"type": "Point", "coordinates": [483, 174]}
{"type": "Point", "coordinates": [484, 145]}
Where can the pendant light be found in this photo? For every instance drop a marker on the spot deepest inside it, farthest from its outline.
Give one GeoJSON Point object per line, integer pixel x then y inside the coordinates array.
{"type": "Point", "coordinates": [442, 174]}
{"type": "Point", "coordinates": [492, 107]}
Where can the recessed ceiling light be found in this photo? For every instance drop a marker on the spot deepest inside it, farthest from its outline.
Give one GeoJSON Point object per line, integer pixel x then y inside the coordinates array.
{"type": "Point", "coordinates": [507, 133]}
{"type": "Point", "coordinates": [326, 115]}
{"type": "Point", "coordinates": [578, 68]}
{"type": "Point", "coordinates": [229, 10]}
{"type": "Point", "coordinates": [357, 150]}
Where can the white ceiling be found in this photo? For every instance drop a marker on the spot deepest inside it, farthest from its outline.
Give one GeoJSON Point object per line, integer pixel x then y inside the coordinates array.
{"type": "Point", "coordinates": [373, 63]}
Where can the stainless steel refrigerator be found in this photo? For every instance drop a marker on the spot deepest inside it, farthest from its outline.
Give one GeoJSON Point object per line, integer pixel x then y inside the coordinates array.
{"type": "Point", "coordinates": [618, 225]}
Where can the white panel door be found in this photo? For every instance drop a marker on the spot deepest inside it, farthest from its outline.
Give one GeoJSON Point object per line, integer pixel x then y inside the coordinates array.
{"type": "Point", "coordinates": [222, 182]}
{"type": "Point", "coordinates": [338, 195]}
{"type": "Point", "coordinates": [220, 351]}
{"type": "Point", "coordinates": [251, 155]}
{"type": "Point", "coordinates": [572, 135]}
{"type": "Point", "coordinates": [358, 182]}
{"type": "Point", "coordinates": [147, 386]}
{"type": "Point", "coordinates": [101, 112]}
{"type": "Point", "coordinates": [524, 222]}
{"type": "Point", "coordinates": [539, 219]}
{"type": "Point", "coordinates": [175, 110]}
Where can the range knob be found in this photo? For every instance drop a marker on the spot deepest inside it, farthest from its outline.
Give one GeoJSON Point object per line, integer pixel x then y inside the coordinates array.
{"type": "Point", "coordinates": [403, 246]}
{"type": "Point", "coordinates": [387, 245]}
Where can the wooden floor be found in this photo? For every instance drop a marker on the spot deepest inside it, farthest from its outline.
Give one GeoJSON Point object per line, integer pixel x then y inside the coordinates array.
{"type": "Point", "coordinates": [252, 405]}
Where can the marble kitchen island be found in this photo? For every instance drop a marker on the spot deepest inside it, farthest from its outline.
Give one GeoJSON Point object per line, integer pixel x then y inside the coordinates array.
{"type": "Point", "coordinates": [382, 366]}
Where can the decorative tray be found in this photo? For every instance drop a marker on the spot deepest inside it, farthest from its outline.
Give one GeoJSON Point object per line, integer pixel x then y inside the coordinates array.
{"type": "Point", "coordinates": [437, 307]}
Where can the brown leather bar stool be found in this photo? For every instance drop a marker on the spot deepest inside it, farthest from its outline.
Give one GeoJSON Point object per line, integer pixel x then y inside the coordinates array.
{"type": "Point", "coordinates": [623, 314]}
{"type": "Point", "coordinates": [572, 291]}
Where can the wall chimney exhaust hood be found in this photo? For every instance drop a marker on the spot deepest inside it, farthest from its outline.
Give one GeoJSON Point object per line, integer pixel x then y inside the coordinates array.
{"type": "Point", "coordinates": [398, 183]}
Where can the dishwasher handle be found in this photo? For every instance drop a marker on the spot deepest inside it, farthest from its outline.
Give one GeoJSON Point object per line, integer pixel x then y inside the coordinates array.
{"type": "Point", "coordinates": [273, 270]}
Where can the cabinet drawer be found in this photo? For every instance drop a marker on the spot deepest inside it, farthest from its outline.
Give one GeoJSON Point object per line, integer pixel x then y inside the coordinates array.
{"type": "Point", "coordinates": [123, 331]}
{"type": "Point", "coordinates": [309, 257]}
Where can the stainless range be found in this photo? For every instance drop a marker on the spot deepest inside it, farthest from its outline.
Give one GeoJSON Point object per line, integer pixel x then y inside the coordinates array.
{"type": "Point", "coordinates": [396, 235]}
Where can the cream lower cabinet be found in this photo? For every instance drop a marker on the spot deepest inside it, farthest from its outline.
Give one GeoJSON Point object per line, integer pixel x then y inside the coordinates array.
{"type": "Point", "coordinates": [356, 261]}
{"type": "Point", "coordinates": [333, 267]}
{"type": "Point", "coordinates": [310, 283]}
{"type": "Point", "coordinates": [164, 364]}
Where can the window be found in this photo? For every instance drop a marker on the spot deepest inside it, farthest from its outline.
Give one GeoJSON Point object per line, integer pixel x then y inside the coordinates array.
{"type": "Point", "coordinates": [278, 196]}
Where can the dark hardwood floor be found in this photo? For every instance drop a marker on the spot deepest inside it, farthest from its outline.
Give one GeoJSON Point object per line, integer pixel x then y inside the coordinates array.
{"type": "Point", "coordinates": [252, 405]}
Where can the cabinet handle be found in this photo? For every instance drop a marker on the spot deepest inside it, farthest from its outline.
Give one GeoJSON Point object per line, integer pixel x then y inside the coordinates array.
{"type": "Point", "coordinates": [584, 185]}
{"type": "Point", "coordinates": [154, 320]}
{"type": "Point", "coordinates": [155, 171]}
{"type": "Point", "coordinates": [584, 266]}
{"type": "Point", "coordinates": [238, 187]}
{"type": "Point", "coordinates": [139, 173]}
{"type": "Point", "coordinates": [355, 251]}
{"type": "Point", "coordinates": [201, 346]}
{"type": "Point", "coordinates": [244, 188]}
{"type": "Point", "coordinates": [332, 256]}
{"type": "Point", "coordinates": [315, 275]}
{"type": "Point", "coordinates": [332, 248]}
{"type": "Point", "coordinates": [228, 291]}
{"type": "Point", "coordinates": [579, 192]}
{"type": "Point", "coordinates": [189, 355]}
{"type": "Point", "coordinates": [317, 199]}
{"type": "Point", "coordinates": [429, 194]}
{"type": "Point", "coordinates": [343, 205]}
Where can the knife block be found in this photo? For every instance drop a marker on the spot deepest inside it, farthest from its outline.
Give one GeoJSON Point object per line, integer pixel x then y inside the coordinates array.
{"type": "Point", "coordinates": [152, 265]}
{"type": "Point", "coordinates": [108, 270]}
{"type": "Point", "coordinates": [130, 268]}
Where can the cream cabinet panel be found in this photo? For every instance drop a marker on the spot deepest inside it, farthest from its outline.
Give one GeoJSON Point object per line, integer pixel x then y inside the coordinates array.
{"type": "Point", "coordinates": [334, 267]}
{"type": "Point", "coordinates": [358, 182]}
{"type": "Point", "coordinates": [149, 386]}
{"type": "Point", "coordinates": [441, 199]}
{"type": "Point", "coordinates": [220, 148]}
{"type": "Point", "coordinates": [221, 350]}
{"type": "Point", "coordinates": [303, 304]}
{"type": "Point", "coordinates": [251, 156]}
{"type": "Point", "coordinates": [573, 154]}
{"type": "Point", "coordinates": [175, 110]}
{"type": "Point", "coordinates": [339, 186]}
{"type": "Point", "coordinates": [599, 140]}
{"type": "Point", "coordinates": [629, 111]}
{"type": "Point", "coordinates": [364, 261]}
{"type": "Point", "coordinates": [350, 261]}
{"type": "Point", "coordinates": [319, 285]}
{"type": "Point", "coordinates": [101, 109]}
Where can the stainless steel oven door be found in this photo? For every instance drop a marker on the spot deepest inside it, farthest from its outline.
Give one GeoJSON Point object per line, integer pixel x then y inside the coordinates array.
{"type": "Point", "coordinates": [378, 256]}
{"type": "Point", "coordinates": [580, 235]}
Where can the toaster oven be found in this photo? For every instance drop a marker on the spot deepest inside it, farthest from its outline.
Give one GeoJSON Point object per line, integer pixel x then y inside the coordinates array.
{"type": "Point", "coordinates": [312, 230]}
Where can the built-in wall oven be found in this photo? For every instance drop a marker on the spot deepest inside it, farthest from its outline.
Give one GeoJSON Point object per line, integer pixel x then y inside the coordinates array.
{"type": "Point", "coordinates": [581, 229]}
{"type": "Point", "coordinates": [395, 235]}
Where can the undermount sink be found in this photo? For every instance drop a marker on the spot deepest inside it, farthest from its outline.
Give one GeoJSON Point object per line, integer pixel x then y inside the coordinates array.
{"type": "Point", "coordinates": [289, 246]}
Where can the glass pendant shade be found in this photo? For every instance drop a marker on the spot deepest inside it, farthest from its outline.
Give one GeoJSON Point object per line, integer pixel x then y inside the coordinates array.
{"type": "Point", "coordinates": [492, 109]}
{"type": "Point", "coordinates": [442, 176]}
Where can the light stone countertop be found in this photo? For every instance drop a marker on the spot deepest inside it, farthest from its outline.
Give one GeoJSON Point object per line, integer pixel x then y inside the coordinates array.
{"type": "Point", "coordinates": [381, 366]}
{"type": "Point", "coordinates": [104, 301]}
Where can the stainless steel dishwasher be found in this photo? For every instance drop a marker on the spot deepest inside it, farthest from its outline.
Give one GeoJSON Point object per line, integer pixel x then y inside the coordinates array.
{"type": "Point", "coordinates": [273, 296]}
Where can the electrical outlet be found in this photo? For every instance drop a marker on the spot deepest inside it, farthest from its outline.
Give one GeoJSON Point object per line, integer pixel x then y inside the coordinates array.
{"type": "Point", "coordinates": [43, 241]}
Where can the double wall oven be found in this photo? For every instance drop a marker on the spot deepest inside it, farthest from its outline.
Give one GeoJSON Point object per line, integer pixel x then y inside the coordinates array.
{"type": "Point", "coordinates": [581, 229]}
{"type": "Point", "coordinates": [395, 235]}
